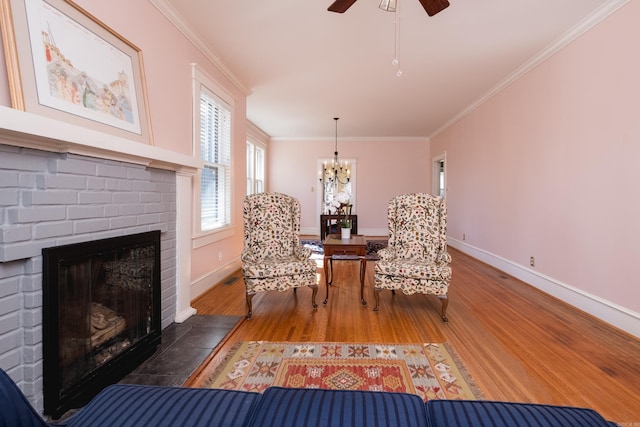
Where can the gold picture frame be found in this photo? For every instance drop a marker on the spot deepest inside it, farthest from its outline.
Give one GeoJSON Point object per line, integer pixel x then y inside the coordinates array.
{"type": "Point", "coordinates": [65, 64]}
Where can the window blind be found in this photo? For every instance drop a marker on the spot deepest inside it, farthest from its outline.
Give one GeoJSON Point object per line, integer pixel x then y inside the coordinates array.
{"type": "Point", "coordinates": [215, 151]}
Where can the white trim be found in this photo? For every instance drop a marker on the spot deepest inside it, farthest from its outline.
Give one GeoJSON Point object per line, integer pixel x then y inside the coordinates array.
{"type": "Point", "coordinates": [435, 174]}
{"type": "Point", "coordinates": [607, 311]}
{"type": "Point", "coordinates": [211, 279]}
{"type": "Point", "coordinates": [352, 139]}
{"type": "Point", "coordinates": [183, 247]}
{"type": "Point", "coordinates": [184, 315]}
{"type": "Point", "coordinates": [207, 238]}
{"type": "Point", "coordinates": [29, 130]}
{"type": "Point", "coordinates": [256, 134]}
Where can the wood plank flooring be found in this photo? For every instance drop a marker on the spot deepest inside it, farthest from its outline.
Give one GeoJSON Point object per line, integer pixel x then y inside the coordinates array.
{"type": "Point", "coordinates": [518, 343]}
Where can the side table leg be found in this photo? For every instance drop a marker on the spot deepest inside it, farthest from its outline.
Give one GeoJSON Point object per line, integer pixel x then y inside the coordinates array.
{"type": "Point", "coordinates": [363, 270]}
{"type": "Point", "coordinates": [328, 277]}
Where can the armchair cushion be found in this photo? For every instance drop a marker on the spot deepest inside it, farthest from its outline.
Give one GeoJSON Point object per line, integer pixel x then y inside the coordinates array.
{"type": "Point", "coordinates": [418, 270]}
{"type": "Point", "coordinates": [289, 266]}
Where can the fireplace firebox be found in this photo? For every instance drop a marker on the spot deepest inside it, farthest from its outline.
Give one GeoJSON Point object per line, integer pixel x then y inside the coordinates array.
{"type": "Point", "coordinates": [101, 315]}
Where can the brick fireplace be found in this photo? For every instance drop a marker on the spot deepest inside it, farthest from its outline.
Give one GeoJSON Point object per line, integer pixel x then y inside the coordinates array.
{"type": "Point", "coordinates": [49, 199]}
{"type": "Point", "coordinates": [101, 315]}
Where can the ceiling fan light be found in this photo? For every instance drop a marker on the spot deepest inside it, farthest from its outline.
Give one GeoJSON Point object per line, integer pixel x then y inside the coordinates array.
{"type": "Point", "coordinates": [388, 5]}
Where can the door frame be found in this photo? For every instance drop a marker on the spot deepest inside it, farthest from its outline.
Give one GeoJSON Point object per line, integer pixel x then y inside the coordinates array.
{"type": "Point", "coordinates": [435, 168]}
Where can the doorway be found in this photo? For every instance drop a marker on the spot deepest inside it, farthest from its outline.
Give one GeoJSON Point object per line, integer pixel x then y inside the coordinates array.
{"type": "Point", "coordinates": [439, 175]}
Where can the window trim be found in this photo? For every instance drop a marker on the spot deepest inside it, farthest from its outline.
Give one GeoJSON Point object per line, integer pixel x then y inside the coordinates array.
{"type": "Point", "coordinates": [257, 145]}
{"type": "Point", "coordinates": [201, 80]}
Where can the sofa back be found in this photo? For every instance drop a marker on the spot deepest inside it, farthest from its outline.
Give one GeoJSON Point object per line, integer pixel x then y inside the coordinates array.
{"type": "Point", "coordinates": [295, 407]}
{"type": "Point", "coordinates": [466, 413]}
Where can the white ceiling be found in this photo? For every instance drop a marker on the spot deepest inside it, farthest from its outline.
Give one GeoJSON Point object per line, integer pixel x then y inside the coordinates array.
{"type": "Point", "coordinates": [302, 65]}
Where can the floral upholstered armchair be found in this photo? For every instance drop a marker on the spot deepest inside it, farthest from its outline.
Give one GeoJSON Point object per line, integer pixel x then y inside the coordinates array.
{"type": "Point", "coordinates": [272, 258]}
{"type": "Point", "coordinates": [416, 258]}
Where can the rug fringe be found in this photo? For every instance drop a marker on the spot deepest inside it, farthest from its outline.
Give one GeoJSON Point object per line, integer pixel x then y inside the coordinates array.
{"type": "Point", "coordinates": [468, 378]}
{"type": "Point", "coordinates": [213, 376]}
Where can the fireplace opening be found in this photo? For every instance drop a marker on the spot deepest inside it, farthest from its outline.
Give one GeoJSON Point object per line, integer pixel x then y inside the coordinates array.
{"type": "Point", "coordinates": [101, 315]}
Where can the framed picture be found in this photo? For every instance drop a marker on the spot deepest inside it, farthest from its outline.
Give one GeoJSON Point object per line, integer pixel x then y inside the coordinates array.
{"type": "Point", "coordinates": [65, 64]}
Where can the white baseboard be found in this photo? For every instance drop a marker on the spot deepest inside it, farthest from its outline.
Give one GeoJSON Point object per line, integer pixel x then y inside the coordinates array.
{"type": "Point", "coordinates": [616, 315]}
{"type": "Point", "coordinates": [206, 282]}
{"type": "Point", "coordinates": [181, 317]}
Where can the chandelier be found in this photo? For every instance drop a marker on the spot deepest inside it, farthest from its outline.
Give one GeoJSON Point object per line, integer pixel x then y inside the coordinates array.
{"type": "Point", "coordinates": [336, 172]}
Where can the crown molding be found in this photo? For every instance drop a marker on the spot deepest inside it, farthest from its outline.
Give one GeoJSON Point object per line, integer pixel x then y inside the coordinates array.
{"type": "Point", "coordinates": [354, 139]}
{"type": "Point", "coordinates": [576, 31]}
{"type": "Point", "coordinates": [181, 24]}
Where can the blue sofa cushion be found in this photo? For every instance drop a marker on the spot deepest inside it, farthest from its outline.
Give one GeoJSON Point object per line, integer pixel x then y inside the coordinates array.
{"type": "Point", "coordinates": [16, 409]}
{"type": "Point", "coordinates": [466, 413]}
{"type": "Point", "coordinates": [125, 405]}
{"type": "Point", "coordinates": [289, 407]}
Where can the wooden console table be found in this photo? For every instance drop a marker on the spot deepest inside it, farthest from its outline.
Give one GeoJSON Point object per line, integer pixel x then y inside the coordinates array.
{"type": "Point", "coordinates": [326, 223]}
{"type": "Point", "coordinates": [354, 249]}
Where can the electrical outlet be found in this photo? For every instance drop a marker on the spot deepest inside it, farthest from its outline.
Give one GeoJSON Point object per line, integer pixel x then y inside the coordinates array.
{"type": "Point", "coordinates": [532, 262]}
{"type": "Point", "coordinates": [219, 256]}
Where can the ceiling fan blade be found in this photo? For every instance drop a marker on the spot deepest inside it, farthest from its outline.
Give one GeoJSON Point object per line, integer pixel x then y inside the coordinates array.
{"type": "Point", "coordinates": [433, 6]}
{"type": "Point", "coordinates": [341, 6]}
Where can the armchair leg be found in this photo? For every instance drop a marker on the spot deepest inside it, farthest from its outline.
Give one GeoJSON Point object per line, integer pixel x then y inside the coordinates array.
{"type": "Point", "coordinates": [444, 299]}
{"type": "Point", "coordinates": [313, 296]}
{"type": "Point", "coordinates": [376, 294]}
{"type": "Point", "coordinates": [249, 297]}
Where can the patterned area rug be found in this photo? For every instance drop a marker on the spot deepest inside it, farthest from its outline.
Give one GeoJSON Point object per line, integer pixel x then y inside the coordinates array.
{"type": "Point", "coordinates": [429, 370]}
{"type": "Point", "coordinates": [372, 247]}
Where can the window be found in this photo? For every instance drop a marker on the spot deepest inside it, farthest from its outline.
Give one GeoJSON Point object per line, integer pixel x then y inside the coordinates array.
{"type": "Point", "coordinates": [213, 108]}
{"type": "Point", "coordinates": [255, 168]}
{"type": "Point", "coordinates": [215, 151]}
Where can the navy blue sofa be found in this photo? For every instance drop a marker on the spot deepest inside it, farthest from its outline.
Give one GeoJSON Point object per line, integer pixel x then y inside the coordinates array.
{"type": "Point", "coordinates": [123, 405]}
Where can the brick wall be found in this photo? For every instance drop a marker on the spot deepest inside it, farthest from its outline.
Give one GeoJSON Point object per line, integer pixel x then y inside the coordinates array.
{"type": "Point", "coordinates": [50, 199]}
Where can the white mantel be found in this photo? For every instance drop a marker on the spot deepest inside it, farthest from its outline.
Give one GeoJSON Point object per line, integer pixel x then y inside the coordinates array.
{"type": "Point", "coordinates": [22, 129]}
{"type": "Point", "coordinates": [29, 130]}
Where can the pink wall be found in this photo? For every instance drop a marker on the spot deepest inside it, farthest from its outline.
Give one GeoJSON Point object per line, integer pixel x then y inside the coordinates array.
{"type": "Point", "coordinates": [548, 167]}
{"type": "Point", "coordinates": [5, 97]}
{"type": "Point", "coordinates": [384, 170]}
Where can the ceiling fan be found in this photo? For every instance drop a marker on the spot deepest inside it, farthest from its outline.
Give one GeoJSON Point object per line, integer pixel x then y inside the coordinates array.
{"type": "Point", "coordinates": [431, 6]}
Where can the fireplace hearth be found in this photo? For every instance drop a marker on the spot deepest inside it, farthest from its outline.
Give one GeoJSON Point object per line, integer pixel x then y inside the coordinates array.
{"type": "Point", "coordinates": [101, 308]}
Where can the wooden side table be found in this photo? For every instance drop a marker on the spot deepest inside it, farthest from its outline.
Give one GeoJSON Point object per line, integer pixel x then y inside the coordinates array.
{"type": "Point", "coordinates": [353, 249]}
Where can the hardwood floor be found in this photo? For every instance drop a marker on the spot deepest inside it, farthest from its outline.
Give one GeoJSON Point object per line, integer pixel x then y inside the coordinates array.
{"type": "Point", "coordinates": [518, 343]}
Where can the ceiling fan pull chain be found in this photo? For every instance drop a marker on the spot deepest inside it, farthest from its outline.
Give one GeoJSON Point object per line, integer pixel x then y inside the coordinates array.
{"type": "Point", "coordinates": [396, 50]}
